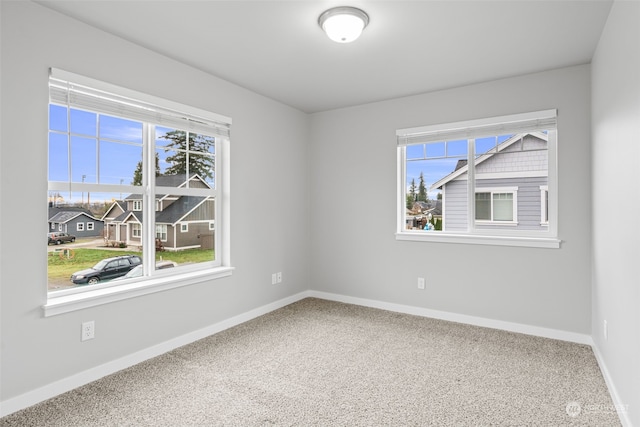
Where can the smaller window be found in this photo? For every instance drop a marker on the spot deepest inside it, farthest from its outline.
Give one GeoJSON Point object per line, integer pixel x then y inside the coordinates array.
{"type": "Point", "coordinates": [161, 232]}
{"type": "Point", "coordinates": [137, 205]}
{"type": "Point", "coordinates": [59, 227]}
{"type": "Point", "coordinates": [544, 205]}
{"type": "Point", "coordinates": [184, 228]}
{"type": "Point", "coordinates": [90, 226]}
{"type": "Point", "coordinates": [80, 226]}
{"type": "Point", "coordinates": [212, 225]}
{"type": "Point", "coordinates": [136, 230]}
{"type": "Point", "coordinates": [53, 226]}
{"type": "Point", "coordinates": [496, 205]}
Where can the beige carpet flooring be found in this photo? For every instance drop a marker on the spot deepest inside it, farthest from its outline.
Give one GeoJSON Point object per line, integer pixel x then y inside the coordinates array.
{"type": "Point", "coordinates": [321, 363]}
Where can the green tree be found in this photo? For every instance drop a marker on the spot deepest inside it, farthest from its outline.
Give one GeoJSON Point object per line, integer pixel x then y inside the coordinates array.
{"type": "Point", "coordinates": [412, 192]}
{"type": "Point", "coordinates": [422, 189]}
{"type": "Point", "coordinates": [137, 174]}
{"type": "Point", "coordinates": [203, 165]}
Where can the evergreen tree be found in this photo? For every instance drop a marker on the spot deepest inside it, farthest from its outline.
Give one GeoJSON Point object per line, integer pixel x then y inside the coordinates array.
{"type": "Point", "coordinates": [422, 190]}
{"type": "Point", "coordinates": [137, 174]}
{"type": "Point", "coordinates": [413, 191]}
{"type": "Point", "coordinates": [200, 164]}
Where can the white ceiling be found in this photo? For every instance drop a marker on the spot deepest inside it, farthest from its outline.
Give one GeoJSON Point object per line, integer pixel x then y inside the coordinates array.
{"type": "Point", "coordinates": [277, 49]}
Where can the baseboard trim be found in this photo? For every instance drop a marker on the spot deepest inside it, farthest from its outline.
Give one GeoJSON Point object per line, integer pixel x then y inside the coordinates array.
{"type": "Point", "coordinates": [621, 408]}
{"type": "Point", "coordinates": [41, 394]}
{"type": "Point", "coordinates": [459, 318]}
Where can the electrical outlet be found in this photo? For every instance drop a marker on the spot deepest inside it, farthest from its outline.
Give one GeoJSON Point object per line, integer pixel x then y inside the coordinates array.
{"type": "Point", "coordinates": [274, 278]}
{"type": "Point", "coordinates": [88, 331]}
{"type": "Point", "coordinates": [420, 282]}
{"type": "Point", "coordinates": [279, 276]}
{"type": "Point", "coordinates": [605, 330]}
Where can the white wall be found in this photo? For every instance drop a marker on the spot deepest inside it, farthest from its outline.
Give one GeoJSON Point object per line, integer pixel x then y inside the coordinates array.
{"type": "Point", "coordinates": [616, 202]}
{"type": "Point", "coordinates": [353, 187]}
{"type": "Point", "coordinates": [268, 180]}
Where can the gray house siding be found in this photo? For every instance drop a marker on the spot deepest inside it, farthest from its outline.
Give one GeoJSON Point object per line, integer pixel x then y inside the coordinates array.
{"type": "Point", "coordinates": [454, 205]}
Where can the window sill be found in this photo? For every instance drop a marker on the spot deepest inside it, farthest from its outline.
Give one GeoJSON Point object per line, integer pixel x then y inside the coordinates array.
{"type": "Point", "coordinates": [78, 301]}
{"type": "Point", "coordinates": [471, 239]}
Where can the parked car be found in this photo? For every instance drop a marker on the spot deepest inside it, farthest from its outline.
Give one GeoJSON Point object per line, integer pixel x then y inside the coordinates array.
{"type": "Point", "coordinates": [137, 271]}
{"type": "Point", "coordinates": [59, 238]}
{"type": "Point", "coordinates": [107, 269]}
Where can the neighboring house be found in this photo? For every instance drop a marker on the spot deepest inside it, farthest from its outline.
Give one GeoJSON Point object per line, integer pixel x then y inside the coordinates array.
{"type": "Point", "coordinates": [419, 213]}
{"type": "Point", "coordinates": [182, 222]}
{"type": "Point", "coordinates": [511, 187]}
{"type": "Point", "coordinates": [76, 221]}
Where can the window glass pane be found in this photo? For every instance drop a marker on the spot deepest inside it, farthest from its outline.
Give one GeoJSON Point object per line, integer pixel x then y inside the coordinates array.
{"type": "Point", "coordinates": [83, 122]}
{"type": "Point", "coordinates": [57, 118]}
{"type": "Point", "coordinates": [78, 255]}
{"type": "Point", "coordinates": [83, 160]}
{"type": "Point", "coordinates": [483, 206]}
{"type": "Point", "coordinates": [192, 244]}
{"type": "Point", "coordinates": [425, 190]}
{"type": "Point", "coordinates": [120, 163]}
{"type": "Point", "coordinates": [120, 129]}
{"type": "Point", "coordinates": [503, 207]}
{"type": "Point", "coordinates": [416, 151]}
{"type": "Point", "coordinates": [436, 149]}
{"type": "Point", "coordinates": [203, 166]}
{"type": "Point", "coordinates": [457, 148]}
{"type": "Point", "coordinates": [58, 157]}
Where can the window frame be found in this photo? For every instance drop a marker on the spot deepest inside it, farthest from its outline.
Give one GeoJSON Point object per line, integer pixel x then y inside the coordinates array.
{"type": "Point", "coordinates": [471, 130]}
{"type": "Point", "coordinates": [64, 301]}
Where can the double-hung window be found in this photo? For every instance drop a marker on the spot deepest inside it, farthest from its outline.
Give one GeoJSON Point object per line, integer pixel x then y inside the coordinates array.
{"type": "Point", "coordinates": [486, 181]}
{"type": "Point", "coordinates": [143, 166]}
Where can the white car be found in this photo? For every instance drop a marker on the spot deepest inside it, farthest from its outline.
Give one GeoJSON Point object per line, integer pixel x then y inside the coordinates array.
{"type": "Point", "coordinates": [137, 271]}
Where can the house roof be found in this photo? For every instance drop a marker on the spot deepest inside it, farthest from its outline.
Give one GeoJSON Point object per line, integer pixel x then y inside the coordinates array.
{"type": "Point", "coordinates": [172, 214]}
{"type": "Point", "coordinates": [462, 167]}
{"type": "Point", "coordinates": [66, 214]}
{"type": "Point", "coordinates": [176, 181]}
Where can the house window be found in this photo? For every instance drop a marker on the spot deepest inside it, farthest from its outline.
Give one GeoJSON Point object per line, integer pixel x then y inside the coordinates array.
{"type": "Point", "coordinates": [80, 226]}
{"type": "Point", "coordinates": [480, 181]}
{"type": "Point", "coordinates": [544, 205]}
{"type": "Point", "coordinates": [212, 225]}
{"type": "Point", "coordinates": [161, 232]}
{"type": "Point", "coordinates": [184, 228]}
{"type": "Point", "coordinates": [108, 144]}
{"type": "Point", "coordinates": [498, 205]}
{"type": "Point", "coordinates": [90, 226]}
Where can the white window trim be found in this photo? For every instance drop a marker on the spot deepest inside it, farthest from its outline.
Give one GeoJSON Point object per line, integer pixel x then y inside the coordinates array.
{"type": "Point", "coordinates": [137, 205]}
{"type": "Point", "coordinates": [541, 239]}
{"type": "Point", "coordinates": [184, 227]}
{"type": "Point", "coordinates": [74, 299]}
{"type": "Point", "coordinates": [80, 226]}
{"type": "Point", "coordinates": [90, 226]}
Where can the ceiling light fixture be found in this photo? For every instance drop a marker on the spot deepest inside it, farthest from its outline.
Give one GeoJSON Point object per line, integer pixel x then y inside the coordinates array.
{"type": "Point", "coordinates": [343, 24]}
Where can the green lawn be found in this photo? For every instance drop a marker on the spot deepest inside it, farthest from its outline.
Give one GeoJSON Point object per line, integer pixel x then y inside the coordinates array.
{"type": "Point", "coordinates": [61, 267]}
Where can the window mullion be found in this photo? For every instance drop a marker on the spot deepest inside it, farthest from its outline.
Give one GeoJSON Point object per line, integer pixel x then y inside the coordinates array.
{"type": "Point", "coordinates": [471, 185]}
{"type": "Point", "coordinates": [148, 198]}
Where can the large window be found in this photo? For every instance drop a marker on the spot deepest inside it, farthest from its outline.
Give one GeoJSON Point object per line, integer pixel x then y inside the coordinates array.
{"type": "Point", "coordinates": [488, 181]}
{"type": "Point", "coordinates": [143, 166]}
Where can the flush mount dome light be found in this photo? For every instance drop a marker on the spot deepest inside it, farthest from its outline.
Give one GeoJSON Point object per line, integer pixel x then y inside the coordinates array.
{"type": "Point", "coordinates": [343, 24]}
